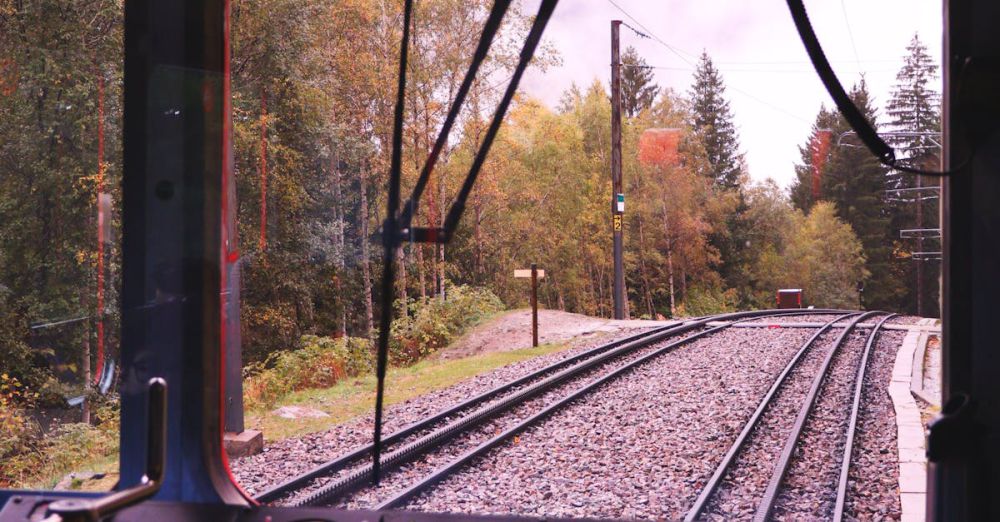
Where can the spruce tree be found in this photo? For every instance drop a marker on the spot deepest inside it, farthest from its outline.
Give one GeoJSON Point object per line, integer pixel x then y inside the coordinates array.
{"type": "Point", "coordinates": [915, 106]}
{"type": "Point", "coordinates": [855, 182]}
{"type": "Point", "coordinates": [816, 152]}
{"type": "Point", "coordinates": [914, 115]}
{"type": "Point", "coordinates": [711, 118]}
{"type": "Point", "coordinates": [638, 89]}
{"type": "Point", "coordinates": [713, 124]}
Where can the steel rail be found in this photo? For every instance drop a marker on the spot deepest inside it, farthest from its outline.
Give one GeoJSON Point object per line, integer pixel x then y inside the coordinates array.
{"type": "Point", "coordinates": [442, 435]}
{"type": "Point", "coordinates": [442, 472]}
{"type": "Point", "coordinates": [766, 506]}
{"type": "Point", "coordinates": [341, 461]}
{"type": "Point", "coordinates": [720, 471]}
{"type": "Point", "coordinates": [852, 425]}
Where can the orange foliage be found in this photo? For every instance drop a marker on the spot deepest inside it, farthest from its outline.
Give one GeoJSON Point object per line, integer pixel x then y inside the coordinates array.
{"type": "Point", "coordinates": [659, 147]}
{"type": "Point", "coordinates": [820, 151]}
{"type": "Point", "coordinates": [8, 76]}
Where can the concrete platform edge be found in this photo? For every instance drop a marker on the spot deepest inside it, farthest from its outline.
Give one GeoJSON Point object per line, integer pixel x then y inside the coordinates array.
{"type": "Point", "coordinates": [910, 436]}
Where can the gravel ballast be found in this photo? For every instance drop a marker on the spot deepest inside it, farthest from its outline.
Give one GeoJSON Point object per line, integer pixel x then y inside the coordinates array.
{"type": "Point", "coordinates": [873, 480]}
{"type": "Point", "coordinates": [643, 445]}
{"type": "Point", "coordinates": [809, 490]}
{"type": "Point", "coordinates": [287, 458]}
{"type": "Point", "coordinates": [639, 447]}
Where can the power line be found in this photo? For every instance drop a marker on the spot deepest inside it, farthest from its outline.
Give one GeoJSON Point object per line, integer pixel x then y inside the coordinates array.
{"type": "Point", "coordinates": [747, 70]}
{"type": "Point", "coordinates": [771, 105]}
{"type": "Point", "coordinates": [650, 34]}
{"type": "Point", "coordinates": [850, 33]}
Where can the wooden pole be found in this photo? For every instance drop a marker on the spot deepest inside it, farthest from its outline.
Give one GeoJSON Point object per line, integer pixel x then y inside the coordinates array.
{"type": "Point", "coordinates": [534, 304]}
{"type": "Point", "coordinates": [617, 218]}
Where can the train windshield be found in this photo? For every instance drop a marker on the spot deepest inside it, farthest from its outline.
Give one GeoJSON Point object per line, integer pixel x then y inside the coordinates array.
{"type": "Point", "coordinates": [627, 247]}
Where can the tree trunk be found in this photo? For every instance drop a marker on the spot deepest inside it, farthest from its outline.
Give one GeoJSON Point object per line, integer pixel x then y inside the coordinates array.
{"type": "Point", "coordinates": [478, 235]}
{"type": "Point", "coordinates": [338, 211]}
{"type": "Point", "coordinates": [647, 293]}
{"type": "Point", "coordinates": [404, 299]}
{"type": "Point", "coordinates": [440, 261]}
{"type": "Point", "coordinates": [670, 258]}
{"type": "Point", "coordinates": [366, 268]}
{"type": "Point", "coordinates": [85, 366]}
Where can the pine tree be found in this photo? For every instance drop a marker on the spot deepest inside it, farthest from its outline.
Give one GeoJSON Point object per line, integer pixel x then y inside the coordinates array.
{"type": "Point", "coordinates": [714, 123]}
{"type": "Point", "coordinates": [915, 105]}
{"type": "Point", "coordinates": [638, 89]}
{"type": "Point", "coordinates": [806, 189]}
{"type": "Point", "coordinates": [855, 182]}
{"type": "Point", "coordinates": [914, 112]}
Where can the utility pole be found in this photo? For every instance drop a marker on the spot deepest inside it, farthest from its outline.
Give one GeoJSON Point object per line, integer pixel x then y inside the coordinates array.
{"type": "Point", "coordinates": [617, 196]}
{"type": "Point", "coordinates": [920, 248]}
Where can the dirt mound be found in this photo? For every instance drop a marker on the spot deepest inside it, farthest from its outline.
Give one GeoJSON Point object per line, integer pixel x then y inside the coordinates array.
{"type": "Point", "coordinates": [512, 331]}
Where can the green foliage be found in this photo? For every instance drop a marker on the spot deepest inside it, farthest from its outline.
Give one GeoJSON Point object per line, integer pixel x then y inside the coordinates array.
{"type": "Point", "coordinates": [33, 460]}
{"type": "Point", "coordinates": [433, 323]}
{"type": "Point", "coordinates": [320, 363]}
{"type": "Point", "coordinates": [16, 428]}
{"type": "Point", "coordinates": [713, 121]}
{"type": "Point", "coordinates": [638, 89]}
{"type": "Point", "coordinates": [706, 300]}
{"type": "Point", "coordinates": [819, 254]}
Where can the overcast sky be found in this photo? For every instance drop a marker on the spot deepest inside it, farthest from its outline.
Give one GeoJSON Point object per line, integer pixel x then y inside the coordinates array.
{"type": "Point", "coordinates": [774, 94]}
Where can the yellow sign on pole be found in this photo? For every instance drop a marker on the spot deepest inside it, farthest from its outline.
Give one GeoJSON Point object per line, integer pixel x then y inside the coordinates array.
{"type": "Point", "coordinates": [618, 222]}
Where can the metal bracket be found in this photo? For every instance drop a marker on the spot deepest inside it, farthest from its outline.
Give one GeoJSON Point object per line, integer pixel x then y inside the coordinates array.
{"type": "Point", "coordinates": [156, 455]}
{"type": "Point", "coordinates": [425, 235]}
{"type": "Point", "coordinates": [954, 433]}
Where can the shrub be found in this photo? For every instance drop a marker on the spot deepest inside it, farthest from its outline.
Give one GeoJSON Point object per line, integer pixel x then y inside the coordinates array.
{"type": "Point", "coordinates": [16, 429]}
{"type": "Point", "coordinates": [429, 325]}
{"type": "Point", "coordinates": [321, 362]}
{"type": "Point", "coordinates": [432, 323]}
{"type": "Point", "coordinates": [33, 460]}
{"type": "Point", "coordinates": [709, 300]}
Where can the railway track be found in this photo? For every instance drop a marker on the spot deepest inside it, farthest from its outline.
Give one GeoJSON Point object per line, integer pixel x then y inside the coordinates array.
{"type": "Point", "coordinates": [349, 473]}
{"type": "Point", "coordinates": [796, 390]}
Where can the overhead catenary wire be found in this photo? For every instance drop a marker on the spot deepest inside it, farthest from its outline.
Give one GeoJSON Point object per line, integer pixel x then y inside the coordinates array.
{"type": "Point", "coordinates": [862, 127]}
{"type": "Point", "coordinates": [647, 33]}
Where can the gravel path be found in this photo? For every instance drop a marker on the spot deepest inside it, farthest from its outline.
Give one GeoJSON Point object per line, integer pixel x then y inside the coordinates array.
{"type": "Point", "coordinates": [809, 490]}
{"type": "Point", "coordinates": [638, 448]}
{"type": "Point", "coordinates": [287, 458]}
{"type": "Point", "coordinates": [873, 487]}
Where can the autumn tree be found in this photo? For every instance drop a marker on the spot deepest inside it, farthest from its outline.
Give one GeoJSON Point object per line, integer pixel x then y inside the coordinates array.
{"type": "Point", "coordinates": [824, 258]}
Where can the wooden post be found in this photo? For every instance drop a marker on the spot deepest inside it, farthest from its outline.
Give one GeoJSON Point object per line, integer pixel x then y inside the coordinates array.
{"type": "Point", "coordinates": [535, 274]}
{"type": "Point", "coordinates": [534, 305]}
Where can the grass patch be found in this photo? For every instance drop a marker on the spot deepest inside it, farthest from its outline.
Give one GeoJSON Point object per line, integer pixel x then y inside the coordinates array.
{"type": "Point", "coordinates": [354, 397]}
